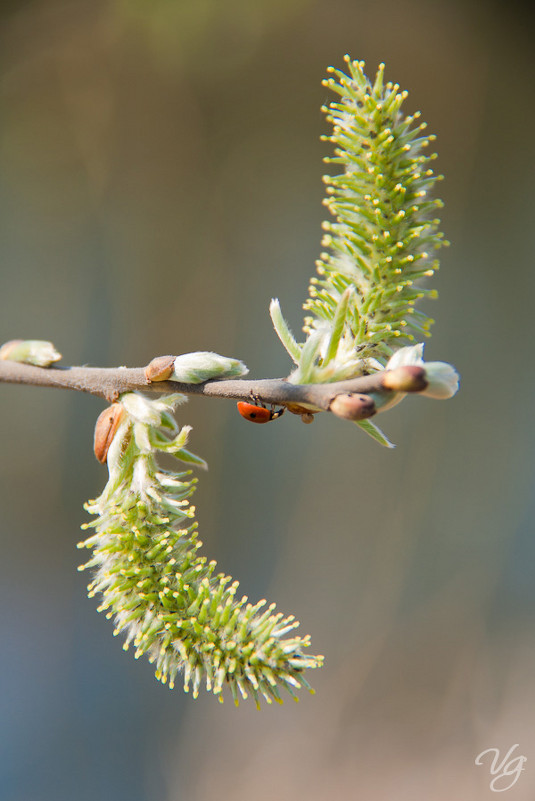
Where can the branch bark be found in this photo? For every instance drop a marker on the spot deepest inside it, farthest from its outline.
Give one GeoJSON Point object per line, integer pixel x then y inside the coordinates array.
{"type": "Point", "coordinates": [110, 383]}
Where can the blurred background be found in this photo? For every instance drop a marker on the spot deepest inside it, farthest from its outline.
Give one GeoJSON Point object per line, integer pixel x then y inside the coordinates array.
{"type": "Point", "coordinates": [161, 182]}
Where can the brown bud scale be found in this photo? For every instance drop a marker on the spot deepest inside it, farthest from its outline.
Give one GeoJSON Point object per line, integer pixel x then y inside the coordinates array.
{"type": "Point", "coordinates": [353, 407]}
{"type": "Point", "coordinates": [160, 368]}
{"type": "Point", "coordinates": [408, 378]}
{"type": "Point", "coordinates": [105, 429]}
{"type": "Point", "coordinates": [8, 347]}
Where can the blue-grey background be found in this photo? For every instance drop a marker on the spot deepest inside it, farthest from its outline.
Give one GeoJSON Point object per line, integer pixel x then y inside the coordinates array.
{"type": "Point", "coordinates": [161, 181]}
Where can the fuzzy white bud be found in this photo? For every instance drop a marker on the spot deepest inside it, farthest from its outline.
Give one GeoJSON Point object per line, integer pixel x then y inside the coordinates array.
{"type": "Point", "coordinates": [194, 368]}
{"type": "Point", "coordinates": [30, 351]}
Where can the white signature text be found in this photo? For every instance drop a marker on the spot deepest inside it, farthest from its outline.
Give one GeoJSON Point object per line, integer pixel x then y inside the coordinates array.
{"type": "Point", "coordinates": [506, 771]}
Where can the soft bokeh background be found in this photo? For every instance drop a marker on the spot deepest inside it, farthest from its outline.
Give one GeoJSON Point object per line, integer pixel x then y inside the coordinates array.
{"type": "Point", "coordinates": [161, 181]}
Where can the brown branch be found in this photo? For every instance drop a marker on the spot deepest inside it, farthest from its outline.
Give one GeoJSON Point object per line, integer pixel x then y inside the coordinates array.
{"type": "Point", "coordinates": [110, 383]}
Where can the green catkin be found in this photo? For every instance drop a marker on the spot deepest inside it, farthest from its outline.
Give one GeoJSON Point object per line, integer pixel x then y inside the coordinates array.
{"type": "Point", "coordinates": [380, 242]}
{"type": "Point", "coordinates": [165, 597]}
{"type": "Point", "coordinates": [384, 233]}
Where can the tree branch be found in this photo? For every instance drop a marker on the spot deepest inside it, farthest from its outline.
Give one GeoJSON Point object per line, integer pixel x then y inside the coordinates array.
{"type": "Point", "coordinates": [110, 383]}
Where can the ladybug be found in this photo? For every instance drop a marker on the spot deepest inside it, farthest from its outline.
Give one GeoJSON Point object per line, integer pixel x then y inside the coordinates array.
{"type": "Point", "coordinates": [257, 412]}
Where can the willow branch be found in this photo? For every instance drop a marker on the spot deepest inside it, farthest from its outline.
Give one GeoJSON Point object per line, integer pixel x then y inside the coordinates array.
{"type": "Point", "coordinates": [110, 383]}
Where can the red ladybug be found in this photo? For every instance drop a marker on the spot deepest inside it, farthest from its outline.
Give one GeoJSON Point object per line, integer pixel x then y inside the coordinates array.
{"type": "Point", "coordinates": [258, 413]}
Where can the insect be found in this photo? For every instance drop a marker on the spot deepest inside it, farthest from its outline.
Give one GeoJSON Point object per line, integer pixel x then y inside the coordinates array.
{"type": "Point", "coordinates": [258, 412]}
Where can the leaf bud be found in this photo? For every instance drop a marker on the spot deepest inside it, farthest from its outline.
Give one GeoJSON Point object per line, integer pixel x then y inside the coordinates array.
{"type": "Point", "coordinates": [30, 351]}
{"type": "Point", "coordinates": [408, 378]}
{"type": "Point", "coordinates": [200, 366]}
{"type": "Point", "coordinates": [160, 368]}
{"type": "Point", "coordinates": [353, 407]}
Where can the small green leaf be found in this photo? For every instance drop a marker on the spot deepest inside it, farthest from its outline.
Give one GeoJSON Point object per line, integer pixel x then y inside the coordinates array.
{"type": "Point", "coordinates": [338, 325]}
{"type": "Point", "coordinates": [374, 432]}
{"type": "Point", "coordinates": [310, 355]}
{"type": "Point", "coordinates": [186, 456]}
{"type": "Point", "coordinates": [283, 331]}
